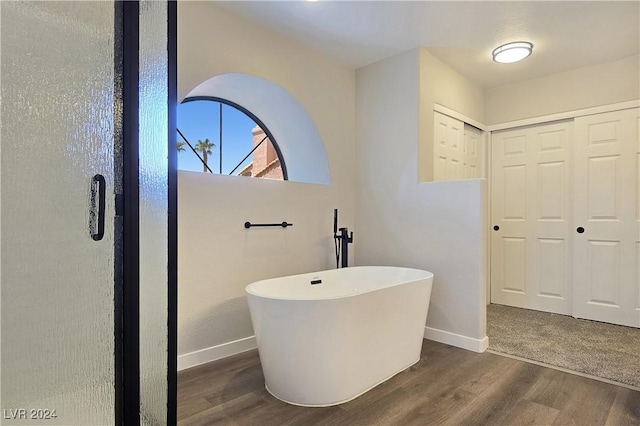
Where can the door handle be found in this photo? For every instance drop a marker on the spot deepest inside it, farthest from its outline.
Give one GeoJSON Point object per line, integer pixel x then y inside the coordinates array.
{"type": "Point", "coordinates": [496, 228]}
{"type": "Point", "coordinates": [580, 230]}
{"type": "Point", "coordinates": [96, 215]}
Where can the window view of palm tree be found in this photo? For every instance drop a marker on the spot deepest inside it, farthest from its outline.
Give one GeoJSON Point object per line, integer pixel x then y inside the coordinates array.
{"type": "Point", "coordinates": [217, 137]}
{"type": "Point", "coordinates": [205, 148]}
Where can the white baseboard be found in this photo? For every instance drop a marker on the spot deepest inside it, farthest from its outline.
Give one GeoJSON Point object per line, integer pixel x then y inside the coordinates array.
{"type": "Point", "coordinates": [224, 350]}
{"type": "Point", "coordinates": [464, 342]}
{"type": "Point", "coordinates": [216, 352]}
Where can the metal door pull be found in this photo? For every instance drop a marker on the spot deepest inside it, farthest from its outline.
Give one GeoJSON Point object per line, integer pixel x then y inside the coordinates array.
{"type": "Point", "coordinates": [98, 189]}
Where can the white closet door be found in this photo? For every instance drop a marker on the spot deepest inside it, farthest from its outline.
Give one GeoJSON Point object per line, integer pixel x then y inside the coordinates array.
{"type": "Point", "coordinates": [448, 148]}
{"type": "Point", "coordinates": [472, 152]}
{"type": "Point", "coordinates": [530, 245]}
{"type": "Point", "coordinates": [606, 213]}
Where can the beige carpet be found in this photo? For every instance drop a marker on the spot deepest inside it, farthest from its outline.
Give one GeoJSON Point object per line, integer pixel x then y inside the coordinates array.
{"type": "Point", "coordinates": [599, 349]}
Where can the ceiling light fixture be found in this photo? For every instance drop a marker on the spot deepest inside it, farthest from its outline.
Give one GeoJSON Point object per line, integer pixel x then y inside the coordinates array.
{"type": "Point", "coordinates": [512, 52]}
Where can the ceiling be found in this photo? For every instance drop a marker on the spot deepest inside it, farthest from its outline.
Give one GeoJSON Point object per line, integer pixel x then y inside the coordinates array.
{"type": "Point", "coordinates": [565, 34]}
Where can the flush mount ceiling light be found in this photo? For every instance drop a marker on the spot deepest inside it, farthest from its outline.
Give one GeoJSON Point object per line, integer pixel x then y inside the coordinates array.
{"type": "Point", "coordinates": [512, 52]}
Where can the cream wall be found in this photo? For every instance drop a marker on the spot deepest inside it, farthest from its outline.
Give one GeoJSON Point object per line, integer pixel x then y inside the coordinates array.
{"type": "Point", "coordinates": [437, 226]}
{"type": "Point", "coordinates": [586, 87]}
{"type": "Point", "coordinates": [217, 256]}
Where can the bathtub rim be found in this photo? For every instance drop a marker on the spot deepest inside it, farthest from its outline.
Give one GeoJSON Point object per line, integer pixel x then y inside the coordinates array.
{"type": "Point", "coordinates": [248, 288]}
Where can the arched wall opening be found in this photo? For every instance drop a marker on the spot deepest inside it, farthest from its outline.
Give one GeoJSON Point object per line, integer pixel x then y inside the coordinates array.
{"type": "Point", "coordinates": [298, 138]}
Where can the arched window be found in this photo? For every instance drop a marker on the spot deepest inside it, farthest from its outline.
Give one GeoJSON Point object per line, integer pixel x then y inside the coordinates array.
{"type": "Point", "coordinates": [298, 139]}
{"type": "Point", "coordinates": [219, 136]}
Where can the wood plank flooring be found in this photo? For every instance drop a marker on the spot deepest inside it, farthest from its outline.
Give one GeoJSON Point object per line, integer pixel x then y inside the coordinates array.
{"type": "Point", "coordinates": [448, 386]}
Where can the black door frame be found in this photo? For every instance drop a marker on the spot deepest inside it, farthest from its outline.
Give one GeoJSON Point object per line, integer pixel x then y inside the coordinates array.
{"type": "Point", "coordinates": [172, 301]}
{"type": "Point", "coordinates": [128, 352]}
{"type": "Point", "coordinates": [127, 284]}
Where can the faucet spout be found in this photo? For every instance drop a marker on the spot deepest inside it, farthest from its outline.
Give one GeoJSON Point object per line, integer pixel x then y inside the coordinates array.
{"type": "Point", "coordinates": [345, 240]}
{"type": "Point", "coordinates": [341, 242]}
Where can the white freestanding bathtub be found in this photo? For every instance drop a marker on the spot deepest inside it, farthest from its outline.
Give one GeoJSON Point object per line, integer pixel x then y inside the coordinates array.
{"type": "Point", "coordinates": [327, 337]}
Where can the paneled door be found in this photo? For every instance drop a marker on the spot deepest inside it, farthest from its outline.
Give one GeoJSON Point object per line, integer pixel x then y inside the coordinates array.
{"type": "Point", "coordinates": [473, 152]}
{"type": "Point", "coordinates": [448, 147]}
{"type": "Point", "coordinates": [606, 216]}
{"type": "Point", "coordinates": [458, 149]}
{"type": "Point", "coordinates": [530, 210]}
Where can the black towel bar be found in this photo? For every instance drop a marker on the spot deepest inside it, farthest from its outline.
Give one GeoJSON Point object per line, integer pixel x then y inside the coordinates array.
{"type": "Point", "coordinates": [283, 224]}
